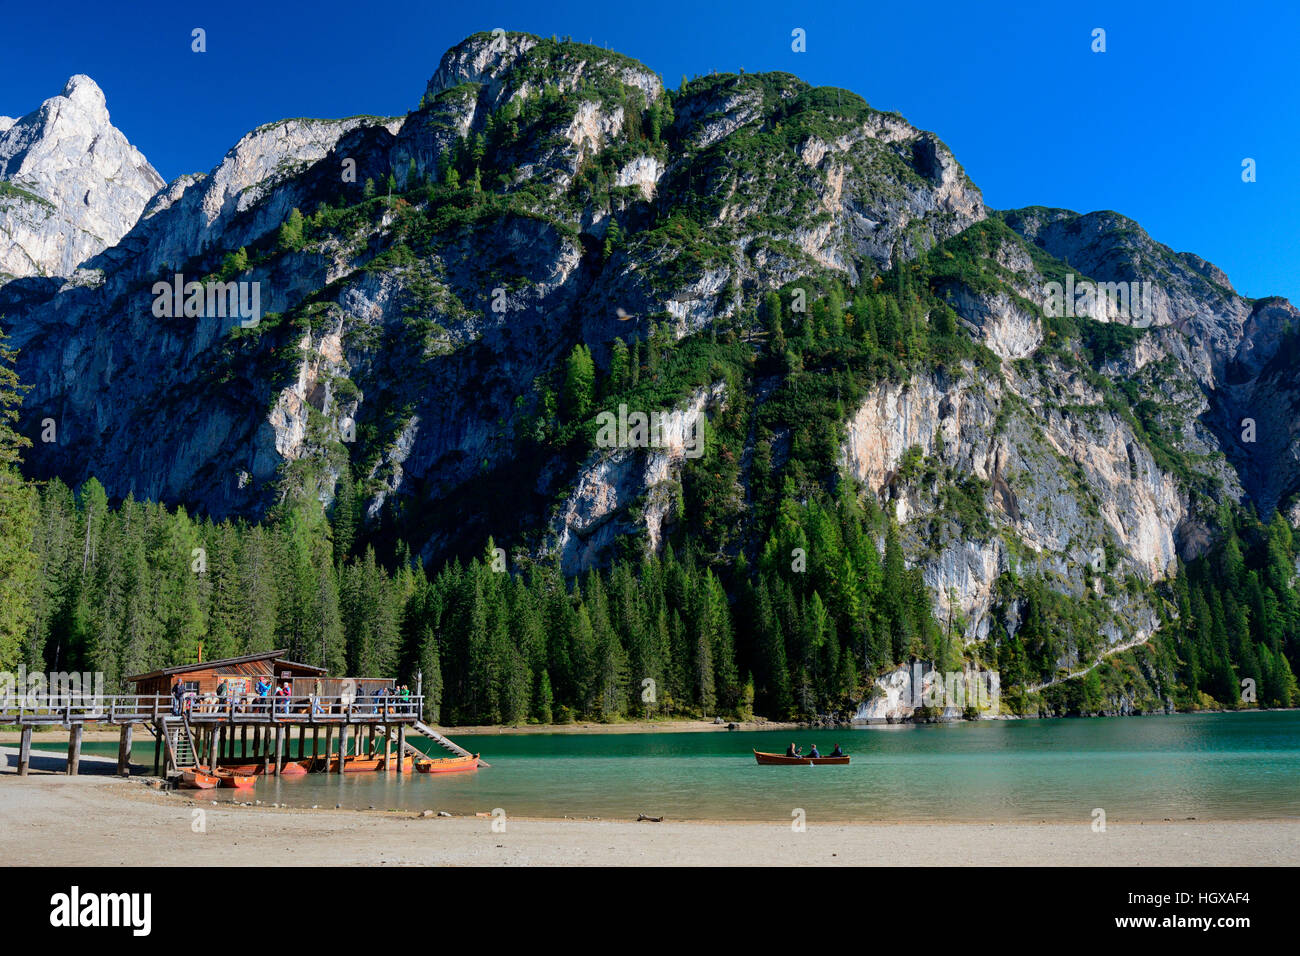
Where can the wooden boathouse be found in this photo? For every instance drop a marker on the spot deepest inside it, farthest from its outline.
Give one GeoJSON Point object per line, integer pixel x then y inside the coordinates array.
{"type": "Point", "coordinates": [226, 713]}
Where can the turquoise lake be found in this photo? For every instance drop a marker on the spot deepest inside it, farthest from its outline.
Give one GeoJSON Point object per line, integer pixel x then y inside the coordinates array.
{"type": "Point", "coordinates": [1208, 766]}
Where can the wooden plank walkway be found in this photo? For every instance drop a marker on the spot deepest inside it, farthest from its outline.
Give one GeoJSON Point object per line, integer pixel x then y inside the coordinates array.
{"type": "Point", "coordinates": [139, 709]}
{"type": "Point", "coordinates": [201, 730]}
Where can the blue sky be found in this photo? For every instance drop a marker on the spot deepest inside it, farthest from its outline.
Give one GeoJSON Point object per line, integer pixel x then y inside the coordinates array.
{"type": "Point", "coordinates": [1156, 127]}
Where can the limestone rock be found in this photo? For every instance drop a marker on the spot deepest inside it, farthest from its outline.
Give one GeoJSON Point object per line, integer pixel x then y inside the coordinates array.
{"type": "Point", "coordinates": [71, 185]}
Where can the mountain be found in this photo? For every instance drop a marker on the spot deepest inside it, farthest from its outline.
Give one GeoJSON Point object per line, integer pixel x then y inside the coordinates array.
{"type": "Point", "coordinates": [885, 379]}
{"type": "Point", "coordinates": [71, 185]}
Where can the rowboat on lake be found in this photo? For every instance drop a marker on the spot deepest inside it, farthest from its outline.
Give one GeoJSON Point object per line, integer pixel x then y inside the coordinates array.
{"type": "Point", "coordinates": [782, 759]}
{"type": "Point", "coordinates": [235, 780]}
{"type": "Point", "coordinates": [192, 778]}
{"type": "Point", "coordinates": [447, 764]}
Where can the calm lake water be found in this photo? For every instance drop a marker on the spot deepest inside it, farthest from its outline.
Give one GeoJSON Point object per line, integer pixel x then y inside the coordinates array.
{"type": "Point", "coordinates": [1208, 766]}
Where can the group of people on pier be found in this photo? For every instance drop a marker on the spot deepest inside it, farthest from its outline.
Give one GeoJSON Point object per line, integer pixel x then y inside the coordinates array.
{"type": "Point", "coordinates": [267, 693]}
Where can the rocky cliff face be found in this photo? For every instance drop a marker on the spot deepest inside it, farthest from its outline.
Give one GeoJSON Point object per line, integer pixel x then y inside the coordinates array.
{"type": "Point", "coordinates": [70, 183]}
{"type": "Point", "coordinates": [410, 334]}
{"type": "Point", "coordinates": [1070, 488]}
{"type": "Point", "coordinates": [565, 120]}
{"type": "Point", "coordinates": [1233, 348]}
{"type": "Point", "coordinates": [630, 489]}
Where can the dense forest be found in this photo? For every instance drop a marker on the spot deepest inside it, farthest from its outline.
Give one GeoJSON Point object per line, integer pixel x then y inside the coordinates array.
{"type": "Point", "coordinates": [786, 607]}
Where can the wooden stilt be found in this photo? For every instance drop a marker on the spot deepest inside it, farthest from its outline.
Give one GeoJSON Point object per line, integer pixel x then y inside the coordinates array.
{"type": "Point", "coordinates": [243, 742]}
{"type": "Point", "coordinates": [279, 749]}
{"type": "Point", "coordinates": [302, 741]}
{"type": "Point", "coordinates": [401, 746]}
{"type": "Point", "coordinates": [158, 732]}
{"type": "Point", "coordinates": [343, 745]}
{"type": "Point", "coordinates": [315, 743]}
{"type": "Point", "coordinates": [124, 751]}
{"type": "Point", "coordinates": [25, 750]}
{"type": "Point", "coordinates": [74, 749]}
{"type": "Point", "coordinates": [329, 745]}
{"type": "Point", "coordinates": [388, 750]}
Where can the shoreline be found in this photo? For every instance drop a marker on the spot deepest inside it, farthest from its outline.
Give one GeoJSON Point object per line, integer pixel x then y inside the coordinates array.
{"type": "Point", "coordinates": [52, 819]}
{"type": "Point", "coordinates": [100, 735]}
{"type": "Point", "coordinates": [669, 726]}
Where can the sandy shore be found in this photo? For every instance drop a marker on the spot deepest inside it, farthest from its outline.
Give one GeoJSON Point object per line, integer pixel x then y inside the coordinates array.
{"type": "Point", "coordinates": [97, 819]}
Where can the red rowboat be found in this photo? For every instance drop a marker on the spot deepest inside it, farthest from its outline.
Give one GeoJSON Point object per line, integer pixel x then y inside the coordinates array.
{"type": "Point", "coordinates": [782, 759]}
{"type": "Point", "coordinates": [192, 778]}
{"type": "Point", "coordinates": [237, 781]}
{"type": "Point", "coordinates": [447, 764]}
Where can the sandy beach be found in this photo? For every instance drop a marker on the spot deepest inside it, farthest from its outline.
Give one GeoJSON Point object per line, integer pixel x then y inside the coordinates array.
{"type": "Point", "coordinates": [51, 819]}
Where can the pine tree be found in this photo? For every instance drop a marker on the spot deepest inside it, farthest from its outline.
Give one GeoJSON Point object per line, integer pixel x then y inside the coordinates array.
{"type": "Point", "coordinates": [18, 517]}
{"type": "Point", "coordinates": [579, 383]}
{"type": "Point", "coordinates": [291, 237]}
{"type": "Point", "coordinates": [613, 238]}
{"type": "Point", "coordinates": [620, 373]}
{"type": "Point", "coordinates": [346, 516]}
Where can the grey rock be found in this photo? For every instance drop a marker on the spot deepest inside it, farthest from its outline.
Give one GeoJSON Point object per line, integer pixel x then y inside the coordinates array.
{"type": "Point", "coordinates": [75, 185]}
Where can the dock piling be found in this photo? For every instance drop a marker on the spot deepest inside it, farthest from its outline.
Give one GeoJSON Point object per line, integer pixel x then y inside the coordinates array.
{"type": "Point", "coordinates": [74, 750]}
{"type": "Point", "coordinates": [25, 750]}
{"type": "Point", "coordinates": [124, 750]}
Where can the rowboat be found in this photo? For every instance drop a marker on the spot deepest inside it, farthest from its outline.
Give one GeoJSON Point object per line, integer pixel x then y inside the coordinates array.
{"type": "Point", "coordinates": [447, 764]}
{"type": "Point", "coordinates": [291, 768]}
{"type": "Point", "coordinates": [192, 778]}
{"type": "Point", "coordinates": [237, 781]}
{"type": "Point", "coordinates": [782, 759]}
{"type": "Point", "coordinates": [363, 764]}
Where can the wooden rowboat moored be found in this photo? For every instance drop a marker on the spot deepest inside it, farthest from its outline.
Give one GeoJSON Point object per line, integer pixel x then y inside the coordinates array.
{"type": "Point", "coordinates": [447, 764]}
{"type": "Point", "coordinates": [192, 778]}
{"type": "Point", "coordinates": [237, 781]}
{"type": "Point", "coordinates": [782, 759]}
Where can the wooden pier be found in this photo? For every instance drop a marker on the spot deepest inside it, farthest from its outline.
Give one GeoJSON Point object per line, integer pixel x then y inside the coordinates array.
{"type": "Point", "coordinates": [265, 732]}
{"type": "Point", "coordinates": [195, 726]}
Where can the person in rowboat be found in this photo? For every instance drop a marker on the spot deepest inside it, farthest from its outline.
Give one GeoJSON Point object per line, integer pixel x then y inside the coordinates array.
{"type": "Point", "coordinates": [791, 751]}
{"type": "Point", "coordinates": [813, 752]}
{"type": "Point", "coordinates": [837, 752]}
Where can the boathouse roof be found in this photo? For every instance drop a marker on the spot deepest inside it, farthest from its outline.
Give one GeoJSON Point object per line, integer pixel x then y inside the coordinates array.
{"type": "Point", "coordinates": [275, 660]}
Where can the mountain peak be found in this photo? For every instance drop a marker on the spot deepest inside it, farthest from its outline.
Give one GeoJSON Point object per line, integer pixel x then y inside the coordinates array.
{"type": "Point", "coordinates": [85, 93]}
{"type": "Point", "coordinates": [76, 184]}
{"type": "Point", "coordinates": [493, 59]}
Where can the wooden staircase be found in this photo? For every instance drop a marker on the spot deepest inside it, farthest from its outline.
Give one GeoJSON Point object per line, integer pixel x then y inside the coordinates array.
{"type": "Point", "coordinates": [448, 745]}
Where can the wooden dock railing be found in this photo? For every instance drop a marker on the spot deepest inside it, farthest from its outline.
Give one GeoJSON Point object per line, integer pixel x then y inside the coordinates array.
{"type": "Point", "coordinates": [207, 725]}
{"type": "Point", "coordinates": [210, 709]}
